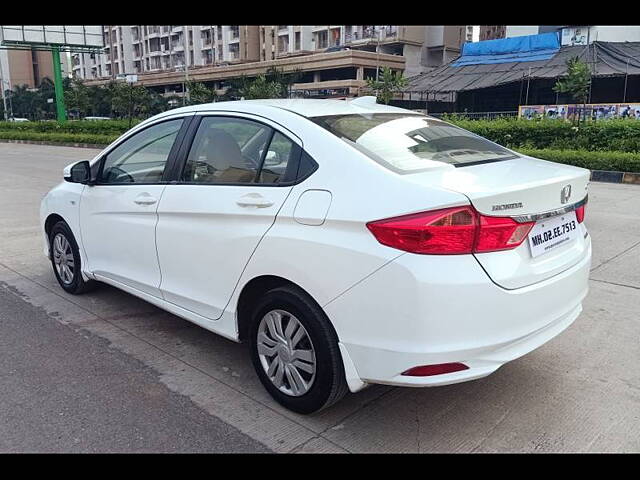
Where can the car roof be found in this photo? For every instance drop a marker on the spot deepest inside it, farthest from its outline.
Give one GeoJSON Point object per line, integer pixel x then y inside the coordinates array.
{"type": "Point", "coordinates": [301, 106]}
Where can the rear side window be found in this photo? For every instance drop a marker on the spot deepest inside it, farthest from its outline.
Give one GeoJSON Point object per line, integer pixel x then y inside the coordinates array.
{"type": "Point", "coordinates": [407, 143]}
{"type": "Point", "coordinates": [278, 158]}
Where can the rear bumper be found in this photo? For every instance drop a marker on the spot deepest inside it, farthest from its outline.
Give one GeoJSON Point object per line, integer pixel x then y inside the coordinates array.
{"type": "Point", "coordinates": [423, 310]}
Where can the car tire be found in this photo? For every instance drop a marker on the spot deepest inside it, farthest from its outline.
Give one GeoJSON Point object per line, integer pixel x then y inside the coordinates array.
{"type": "Point", "coordinates": [327, 384]}
{"type": "Point", "coordinates": [63, 248]}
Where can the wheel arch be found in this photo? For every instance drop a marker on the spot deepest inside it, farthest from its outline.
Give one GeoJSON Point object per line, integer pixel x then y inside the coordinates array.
{"type": "Point", "coordinates": [51, 220]}
{"type": "Point", "coordinates": [253, 290]}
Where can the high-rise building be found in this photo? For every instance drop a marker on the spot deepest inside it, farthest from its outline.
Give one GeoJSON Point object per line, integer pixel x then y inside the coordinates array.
{"type": "Point", "coordinates": [216, 53]}
{"type": "Point", "coordinates": [136, 49]}
{"type": "Point", "coordinates": [27, 67]}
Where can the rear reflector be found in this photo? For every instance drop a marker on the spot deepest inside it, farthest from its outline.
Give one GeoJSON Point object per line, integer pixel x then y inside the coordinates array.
{"type": "Point", "coordinates": [450, 231]}
{"type": "Point", "coordinates": [438, 369]}
{"type": "Point", "coordinates": [580, 213]}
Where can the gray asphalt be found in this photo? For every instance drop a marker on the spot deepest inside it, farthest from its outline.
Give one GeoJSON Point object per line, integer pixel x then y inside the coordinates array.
{"type": "Point", "coordinates": [127, 376]}
{"type": "Point", "coordinates": [68, 391]}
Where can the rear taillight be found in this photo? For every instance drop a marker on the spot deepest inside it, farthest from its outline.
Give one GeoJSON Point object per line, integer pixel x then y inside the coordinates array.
{"type": "Point", "coordinates": [580, 213]}
{"type": "Point", "coordinates": [500, 233]}
{"type": "Point", "coordinates": [450, 231]}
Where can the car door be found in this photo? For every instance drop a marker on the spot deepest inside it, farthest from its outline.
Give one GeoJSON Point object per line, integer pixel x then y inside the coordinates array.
{"type": "Point", "coordinates": [118, 213]}
{"type": "Point", "coordinates": [237, 174]}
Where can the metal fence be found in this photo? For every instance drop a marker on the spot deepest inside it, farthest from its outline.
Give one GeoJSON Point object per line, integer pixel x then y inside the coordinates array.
{"type": "Point", "coordinates": [475, 115]}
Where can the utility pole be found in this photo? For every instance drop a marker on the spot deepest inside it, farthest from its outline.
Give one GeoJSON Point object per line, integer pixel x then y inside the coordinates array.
{"type": "Point", "coordinates": [111, 58]}
{"type": "Point", "coordinates": [187, 56]}
{"type": "Point", "coordinates": [4, 97]}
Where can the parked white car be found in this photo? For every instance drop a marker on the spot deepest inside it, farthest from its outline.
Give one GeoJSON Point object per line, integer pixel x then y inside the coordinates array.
{"type": "Point", "coordinates": [347, 242]}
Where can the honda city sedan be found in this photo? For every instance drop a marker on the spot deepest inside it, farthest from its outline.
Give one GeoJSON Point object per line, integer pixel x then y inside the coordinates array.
{"type": "Point", "coordinates": [348, 243]}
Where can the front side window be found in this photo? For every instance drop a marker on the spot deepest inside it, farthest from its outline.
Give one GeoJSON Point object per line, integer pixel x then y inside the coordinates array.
{"type": "Point", "coordinates": [228, 150]}
{"type": "Point", "coordinates": [142, 157]}
{"type": "Point", "coordinates": [409, 143]}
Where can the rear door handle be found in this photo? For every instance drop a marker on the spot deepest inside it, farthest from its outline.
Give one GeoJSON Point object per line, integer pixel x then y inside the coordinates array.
{"type": "Point", "coordinates": [253, 200]}
{"type": "Point", "coordinates": [145, 199]}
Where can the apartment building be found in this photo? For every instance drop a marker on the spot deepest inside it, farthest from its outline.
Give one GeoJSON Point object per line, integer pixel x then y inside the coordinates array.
{"type": "Point", "coordinates": [492, 32]}
{"type": "Point", "coordinates": [209, 52]}
{"type": "Point", "coordinates": [28, 67]}
{"type": "Point", "coordinates": [423, 47]}
{"type": "Point", "coordinates": [136, 49]}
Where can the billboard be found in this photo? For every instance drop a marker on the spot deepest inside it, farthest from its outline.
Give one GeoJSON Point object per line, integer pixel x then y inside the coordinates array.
{"type": "Point", "coordinates": [600, 111]}
{"type": "Point", "coordinates": [81, 36]}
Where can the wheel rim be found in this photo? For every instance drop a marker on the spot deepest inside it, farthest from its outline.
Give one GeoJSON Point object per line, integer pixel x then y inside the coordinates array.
{"type": "Point", "coordinates": [286, 353]}
{"type": "Point", "coordinates": [63, 259]}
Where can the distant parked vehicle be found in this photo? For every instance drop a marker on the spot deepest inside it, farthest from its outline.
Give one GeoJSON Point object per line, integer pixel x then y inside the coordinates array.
{"type": "Point", "coordinates": [19, 119]}
{"type": "Point", "coordinates": [97, 118]}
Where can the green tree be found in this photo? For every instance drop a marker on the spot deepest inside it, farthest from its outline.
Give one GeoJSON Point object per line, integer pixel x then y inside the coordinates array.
{"type": "Point", "coordinates": [129, 101]}
{"type": "Point", "coordinates": [286, 80]}
{"type": "Point", "coordinates": [261, 87]}
{"type": "Point", "coordinates": [387, 85]}
{"type": "Point", "coordinates": [76, 97]}
{"type": "Point", "coordinates": [200, 93]}
{"type": "Point", "coordinates": [24, 101]}
{"type": "Point", "coordinates": [577, 81]}
{"type": "Point", "coordinates": [273, 83]}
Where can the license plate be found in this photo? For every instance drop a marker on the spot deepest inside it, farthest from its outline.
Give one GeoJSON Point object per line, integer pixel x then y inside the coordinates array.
{"type": "Point", "coordinates": [553, 232]}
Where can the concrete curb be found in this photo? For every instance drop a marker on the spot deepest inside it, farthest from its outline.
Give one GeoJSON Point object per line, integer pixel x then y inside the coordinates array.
{"type": "Point", "coordinates": [55, 144]}
{"type": "Point", "coordinates": [596, 175]}
{"type": "Point", "coordinates": [615, 177]}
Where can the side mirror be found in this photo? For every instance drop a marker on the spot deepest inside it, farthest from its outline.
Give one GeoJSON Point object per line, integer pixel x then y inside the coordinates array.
{"type": "Point", "coordinates": [78, 173]}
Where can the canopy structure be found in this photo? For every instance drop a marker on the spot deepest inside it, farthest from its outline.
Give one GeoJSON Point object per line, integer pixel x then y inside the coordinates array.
{"type": "Point", "coordinates": [605, 59]}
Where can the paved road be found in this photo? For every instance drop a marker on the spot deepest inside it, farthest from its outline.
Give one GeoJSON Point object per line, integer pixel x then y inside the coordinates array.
{"type": "Point", "coordinates": [192, 390]}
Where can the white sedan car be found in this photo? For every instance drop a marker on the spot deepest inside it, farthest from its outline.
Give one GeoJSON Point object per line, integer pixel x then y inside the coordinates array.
{"type": "Point", "coordinates": [347, 242]}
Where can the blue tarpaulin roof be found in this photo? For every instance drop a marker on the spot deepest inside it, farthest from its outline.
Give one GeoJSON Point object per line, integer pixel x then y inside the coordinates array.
{"type": "Point", "coordinates": [527, 48]}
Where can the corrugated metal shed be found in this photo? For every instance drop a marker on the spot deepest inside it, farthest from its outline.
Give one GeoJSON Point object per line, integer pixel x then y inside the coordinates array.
{"type": "Point", "coordinates": [605, 59]}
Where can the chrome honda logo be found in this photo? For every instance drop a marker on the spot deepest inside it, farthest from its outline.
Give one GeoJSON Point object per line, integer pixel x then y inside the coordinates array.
{"type": "Point", "coordinates": [565, 194]}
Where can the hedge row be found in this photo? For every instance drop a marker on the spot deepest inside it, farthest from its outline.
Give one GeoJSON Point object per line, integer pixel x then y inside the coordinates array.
{"type": "Point", "coordinates": [98, 127]}
{"type": "Point", "coordinates": [604, 135]}
{"type": "Point", "coordinates": [594, 160]}
{"type": "Point", "coordinates": [57, 137]}
{"type": "Point", "coordinates": [614, 161]}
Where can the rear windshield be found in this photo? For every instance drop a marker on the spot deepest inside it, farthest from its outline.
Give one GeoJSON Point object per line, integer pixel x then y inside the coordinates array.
{"type": "Point", "coordinates": [408, 143]}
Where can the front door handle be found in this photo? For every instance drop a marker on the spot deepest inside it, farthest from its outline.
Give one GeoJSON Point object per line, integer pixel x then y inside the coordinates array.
{"type": "Point", "coordinates": [253, 200]}
{"type": "Point", "coordinates": [145, 199]}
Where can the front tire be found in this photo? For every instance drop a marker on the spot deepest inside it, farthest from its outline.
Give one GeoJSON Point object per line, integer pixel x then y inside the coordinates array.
{"type": "Point", "coordinates": [295, 352]}
{"type": "Point", "coordinates": [65, 260]}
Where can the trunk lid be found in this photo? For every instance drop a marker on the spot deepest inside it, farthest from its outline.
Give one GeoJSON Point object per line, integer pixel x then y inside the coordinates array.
{"type": "Point", "coordinates": [518, 188]}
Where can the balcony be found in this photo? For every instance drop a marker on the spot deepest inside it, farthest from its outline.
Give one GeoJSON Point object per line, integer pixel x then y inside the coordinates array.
{"type": "Point", "coordinates": [389, 31]}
